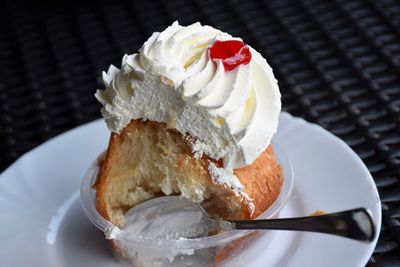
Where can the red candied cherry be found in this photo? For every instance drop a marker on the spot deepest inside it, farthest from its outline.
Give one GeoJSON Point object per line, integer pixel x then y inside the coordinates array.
{"type": "Point", "coordinates": [232, 53]}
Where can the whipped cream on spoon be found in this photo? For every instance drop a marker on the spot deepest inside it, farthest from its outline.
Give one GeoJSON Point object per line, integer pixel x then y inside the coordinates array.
{"type": "Point", "coordinates": [174, 217]}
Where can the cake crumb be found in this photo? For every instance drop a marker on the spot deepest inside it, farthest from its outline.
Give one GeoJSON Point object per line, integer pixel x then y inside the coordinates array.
{"type": "Point", "coordinates": [318, 213]}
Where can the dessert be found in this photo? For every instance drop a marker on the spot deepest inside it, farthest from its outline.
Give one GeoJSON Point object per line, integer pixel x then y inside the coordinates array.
{"type": "Point", "coordinates": [191, 114]}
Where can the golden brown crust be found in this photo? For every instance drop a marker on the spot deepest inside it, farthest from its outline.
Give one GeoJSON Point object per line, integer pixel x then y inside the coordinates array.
{"type": "Point", "coordinates": [262, 179]}
{"type": "Point", "coordinates": [111, 158]}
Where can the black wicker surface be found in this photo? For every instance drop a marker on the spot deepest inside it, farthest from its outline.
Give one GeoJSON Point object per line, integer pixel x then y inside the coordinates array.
{"type": "Point", "coordinates": [337, 63]}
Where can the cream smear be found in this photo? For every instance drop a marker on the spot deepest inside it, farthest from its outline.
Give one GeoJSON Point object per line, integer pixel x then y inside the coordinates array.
{"type": "Point", "coordinates": [166, 218]}
{"type": "Point", "coordinates": [170, 222]}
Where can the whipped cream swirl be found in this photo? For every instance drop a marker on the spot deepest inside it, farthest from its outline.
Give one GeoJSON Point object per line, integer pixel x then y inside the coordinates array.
{"type": "Point", "coordinates": [231, 114]}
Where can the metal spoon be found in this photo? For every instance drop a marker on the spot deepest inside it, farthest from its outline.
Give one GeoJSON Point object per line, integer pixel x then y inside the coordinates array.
{"type": "Point", "coordinates": [356, 224]}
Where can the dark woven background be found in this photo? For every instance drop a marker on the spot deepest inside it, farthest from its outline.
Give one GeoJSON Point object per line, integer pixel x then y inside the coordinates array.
{"type": "Point", "coordinates": [337, 62]}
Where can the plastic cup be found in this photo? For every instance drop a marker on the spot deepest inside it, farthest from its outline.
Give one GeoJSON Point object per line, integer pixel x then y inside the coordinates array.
{"type": "Point", "coordinates": [218, 250]}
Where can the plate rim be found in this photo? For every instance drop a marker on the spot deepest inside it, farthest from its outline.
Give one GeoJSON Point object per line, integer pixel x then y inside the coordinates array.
{"type": "Point", "coordinates": [378, 216]}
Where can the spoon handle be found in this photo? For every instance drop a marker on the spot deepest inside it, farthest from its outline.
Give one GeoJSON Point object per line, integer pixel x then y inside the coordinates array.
{"type": "Point", "coordinates": [356, 224]}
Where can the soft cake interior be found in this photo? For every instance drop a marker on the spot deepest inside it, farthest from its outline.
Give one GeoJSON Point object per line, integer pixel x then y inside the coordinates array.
{"type": "Point", "coordinates": [147, 160]}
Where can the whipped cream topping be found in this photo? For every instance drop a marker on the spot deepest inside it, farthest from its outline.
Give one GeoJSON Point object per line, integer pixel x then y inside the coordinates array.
{"type": "Point", "coordinates": [231, 114]}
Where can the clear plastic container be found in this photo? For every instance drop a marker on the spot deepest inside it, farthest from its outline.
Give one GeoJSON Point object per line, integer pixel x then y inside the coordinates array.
{"type": "Point", "coordinates": [219, 250]}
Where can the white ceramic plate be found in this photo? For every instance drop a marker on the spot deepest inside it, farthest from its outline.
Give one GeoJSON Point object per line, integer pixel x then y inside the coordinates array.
{"type": "Point", "coordinates": [42, 222]}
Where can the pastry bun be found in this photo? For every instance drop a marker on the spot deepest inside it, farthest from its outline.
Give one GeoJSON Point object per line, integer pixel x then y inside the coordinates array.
{"type": "Point", "coordinates": [147, 159]}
